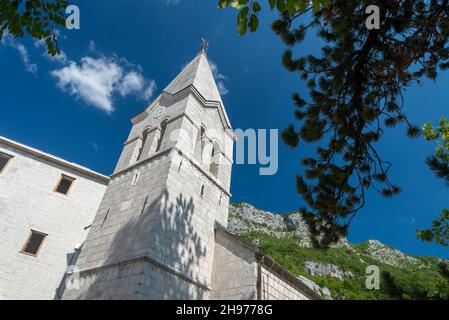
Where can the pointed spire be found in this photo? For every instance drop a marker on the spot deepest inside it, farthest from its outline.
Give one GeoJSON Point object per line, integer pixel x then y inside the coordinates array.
{"type": "Point", "coordinates": [197, 73]}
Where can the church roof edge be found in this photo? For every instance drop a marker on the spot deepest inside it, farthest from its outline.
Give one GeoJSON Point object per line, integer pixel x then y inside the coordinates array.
{"type": "Point", "coordinates": [57, 160]}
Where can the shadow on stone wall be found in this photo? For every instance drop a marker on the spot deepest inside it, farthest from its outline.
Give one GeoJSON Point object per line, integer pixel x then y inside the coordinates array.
{"type": "Point", "coordinates": [162, 230]}
{"type": "Point", "coordinates": [72, 259]}
{"type": "Point", "coordinates": [242, 269]}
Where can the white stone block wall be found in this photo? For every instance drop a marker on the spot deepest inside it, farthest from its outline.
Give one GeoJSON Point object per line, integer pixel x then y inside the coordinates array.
{"type": "Point", "coordinates": [215, 131]}
{"type": "Point", "coordinates": [274, 287]}
{"type": "Point", "coordinates": [162, 215]}
{"type": "Point", "coordinates": [146, 120]}
{"type": "Point", "coordinates": [175, 229]}
{"type": "Point", "coordinates": [195, 226]}
{"type": "Point", "coordinates": [123, 227]}
{"type": "Point", "coordinates": [159, 284]}
{"type": "Point", "coordinates": [234, 274]}
{"type": "Point", "coordinates": [27, 201]}
{"type": "Point", "coordinates": [240, 272]}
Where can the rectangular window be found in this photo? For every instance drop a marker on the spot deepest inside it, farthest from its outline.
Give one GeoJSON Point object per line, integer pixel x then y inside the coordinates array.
{"type": "Point", "coordinates": [34, 243]}
{"type": "Point", "coordinates": [202, 190]}
{"type": "Point", "coordinates": [135, 178]}
{"type": "Point", "coordinates": [64, 184]}
{"type": "Point", "coordinates": [4, 159]}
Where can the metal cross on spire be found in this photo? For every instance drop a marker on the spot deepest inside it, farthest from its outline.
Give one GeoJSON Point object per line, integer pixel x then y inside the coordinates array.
{"type": "Point", "coordinates": [204, 44]}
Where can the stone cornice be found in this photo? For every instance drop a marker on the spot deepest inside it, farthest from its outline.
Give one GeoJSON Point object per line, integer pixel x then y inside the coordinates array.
{"type": "Point", "coordinates": [159, 154]}
{"type": "Point", "coordinates": [144, 259]}
{"type": "Point", "coordinates": [142, 162]}
{"type": "Point", "coordinates": [211, 178]}
{"type": "Point", "coordinates": [56, 160]}
{"type": "Point", "coordinates": [200, 98]}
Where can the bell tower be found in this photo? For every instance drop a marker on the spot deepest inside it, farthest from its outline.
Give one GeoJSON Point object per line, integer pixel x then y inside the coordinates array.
{"type": "Point", "coordinates": [153, 234]}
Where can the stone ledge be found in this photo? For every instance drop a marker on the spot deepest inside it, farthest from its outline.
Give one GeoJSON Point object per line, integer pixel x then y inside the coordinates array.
{"type": "Point", "coordinates": [145, 259]}
{"type": "Point", "coordinates": [167, 151]}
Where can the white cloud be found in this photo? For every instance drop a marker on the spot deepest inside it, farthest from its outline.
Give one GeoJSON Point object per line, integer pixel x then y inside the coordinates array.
{"type": "Point", "coordinates": [149, 91]}
{"type": "Point", "coordinates": [132, 82]}
{"type": "Point", "coordinates": [92, 81]}
{"type": "Point", "coordinates": [97, 81]}
{"type": "Point", "coordinates": [222, 89]}
{"type": "Point", "coordinates": [10, 41]}
{"type": "Point", "coordinates": [29, 67]}
{"type": "Point", "coordinates": [219, 78]}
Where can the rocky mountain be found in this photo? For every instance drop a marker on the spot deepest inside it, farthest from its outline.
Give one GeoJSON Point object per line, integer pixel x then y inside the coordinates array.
{"type": "Point", "coordinates": [340, 272]}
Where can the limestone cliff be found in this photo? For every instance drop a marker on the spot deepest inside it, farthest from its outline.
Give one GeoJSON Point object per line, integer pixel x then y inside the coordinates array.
{"type": "Point", "coordinates": [340, 272]}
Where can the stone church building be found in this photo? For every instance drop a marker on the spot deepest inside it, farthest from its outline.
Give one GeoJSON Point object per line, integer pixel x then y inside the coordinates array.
{"type": "Point", "coordinates": [154, 229]}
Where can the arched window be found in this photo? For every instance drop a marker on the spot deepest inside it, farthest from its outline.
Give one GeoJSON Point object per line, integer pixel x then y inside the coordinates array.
{"type": "Point", "coordinates": [161, 136]}
{"type": "Point", "coordinates": [199, 144]}
{"type": "Point", "coordinates": [215, 159]}
{"type": "Point", "coordinates": [142, 146]}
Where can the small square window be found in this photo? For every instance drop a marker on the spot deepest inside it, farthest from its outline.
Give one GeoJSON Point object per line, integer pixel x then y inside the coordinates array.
{"type": "Point", "coordinates": [64, 184]}
{"type": "Point", "coordinates": [34, 243]}
{"type": "Point", "coordinates": [4, 159]}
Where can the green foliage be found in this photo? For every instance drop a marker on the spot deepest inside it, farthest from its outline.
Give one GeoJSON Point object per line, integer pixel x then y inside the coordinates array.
{"type": "Point", "coordinates": [37, 18]}
{"type": "Point", "coordinates": [407, 282]}
{"type": "Point", "coordinates": [441, 133]}
{"type": "Point", "coordinates": [403, 286]}
{"type": "Point", "coordinates": [438, 163]}
{"type": "Point", "coordinates": [439, 232]}
{"type": "Point", "coordinates": [247, 16]}
{"type": "Point", "coordinates": [444, 269]}
{"type": "Point", "coordinates": [356, 87]}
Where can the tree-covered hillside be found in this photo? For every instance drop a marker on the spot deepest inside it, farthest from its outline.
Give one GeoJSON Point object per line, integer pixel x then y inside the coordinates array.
{"type": "Point", "coordinates": [340, 272]}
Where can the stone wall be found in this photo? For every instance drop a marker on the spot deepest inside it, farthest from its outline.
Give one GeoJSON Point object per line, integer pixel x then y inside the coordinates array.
{"type": "Point", "coordinates": [274, 287]}
{"type": "Point", "coordinates": [137, 279]}
{"type": "Point", "coordinates": [154, 208]}
{"type": "Point", "coordinates": [234, 271]}
{"type": "Point", "coordinates": [241, 272]}
{"type": "Point", "coordinates": [27, 201]}
{"type": "Point", "coordinates": [162, 204]}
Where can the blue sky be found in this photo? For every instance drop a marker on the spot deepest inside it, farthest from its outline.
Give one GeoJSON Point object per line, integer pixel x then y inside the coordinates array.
{"type": "Point", "coordinates": [79, 106]}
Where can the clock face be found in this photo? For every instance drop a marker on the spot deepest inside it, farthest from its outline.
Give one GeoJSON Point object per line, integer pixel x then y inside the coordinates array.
{"type": "Point", "coordinates": [158, 112]}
